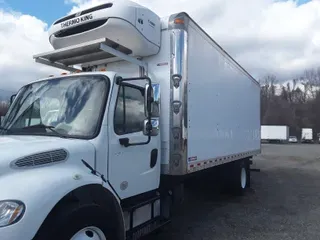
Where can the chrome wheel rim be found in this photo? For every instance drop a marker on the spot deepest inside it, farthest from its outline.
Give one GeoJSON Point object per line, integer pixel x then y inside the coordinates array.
{"type": "Point", "coordinates": [243, 178]}
{"type": "Point", "coordinates": [89, 233]}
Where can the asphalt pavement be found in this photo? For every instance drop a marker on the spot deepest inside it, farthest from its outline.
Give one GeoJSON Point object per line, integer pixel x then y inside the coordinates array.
{"type": "Point", "coordinates": [283, 202]}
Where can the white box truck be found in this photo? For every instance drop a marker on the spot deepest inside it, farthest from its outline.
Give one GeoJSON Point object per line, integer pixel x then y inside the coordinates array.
{"type": "Point", "coordinates": [274, 133]}
{"type": "Point", "coordinates": [146, 103]}
{"type": "Point", "coordinates": [306, 135]}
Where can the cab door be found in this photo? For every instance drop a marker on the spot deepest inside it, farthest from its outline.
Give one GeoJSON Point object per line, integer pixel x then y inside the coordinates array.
{"type": "Point", "coordinates": [135, 169]}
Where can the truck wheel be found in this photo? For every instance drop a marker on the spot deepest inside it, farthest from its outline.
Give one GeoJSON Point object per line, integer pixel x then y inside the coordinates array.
{"type": "Point", "coordinates": [90, 233]}
{"type": "Point", "coordinates": [76, 222]}
{"type": "Point", "coordinates": [240, 178]}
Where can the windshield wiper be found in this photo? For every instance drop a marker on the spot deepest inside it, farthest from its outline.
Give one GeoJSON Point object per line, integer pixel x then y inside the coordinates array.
{"type": "Point", "coordinates": [42, 126]}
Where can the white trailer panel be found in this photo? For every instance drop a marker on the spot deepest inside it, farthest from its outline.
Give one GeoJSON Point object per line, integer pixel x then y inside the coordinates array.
{"type": "Point", "coordinates": [274, 132]}
{"type": "Point", "coordinates": [223, 103]}
{"type": "Point", "coordinates": [306, 134]}
{"type": "Point", "coordinates": [215, 103]}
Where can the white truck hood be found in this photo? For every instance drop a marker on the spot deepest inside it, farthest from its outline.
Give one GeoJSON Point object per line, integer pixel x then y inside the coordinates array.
{"type": "Point", "coordinates": [15, 147]}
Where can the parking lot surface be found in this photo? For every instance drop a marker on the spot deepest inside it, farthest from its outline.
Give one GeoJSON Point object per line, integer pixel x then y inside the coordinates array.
{"type": "Point", "coordinates": [283, 202]}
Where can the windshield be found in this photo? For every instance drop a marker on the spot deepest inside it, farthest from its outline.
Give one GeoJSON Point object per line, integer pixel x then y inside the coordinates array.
{"type": "Point", "coordinates": [70, 106]}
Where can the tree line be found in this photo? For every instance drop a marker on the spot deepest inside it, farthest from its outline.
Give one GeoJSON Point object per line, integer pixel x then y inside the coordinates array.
{"type": "Point", "coordinates": [295, 104]}
{"type": "Point", "coordinates": [4, 105]}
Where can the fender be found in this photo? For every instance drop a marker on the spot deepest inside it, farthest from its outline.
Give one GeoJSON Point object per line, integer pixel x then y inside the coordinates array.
{"type": "Point", "coordinates": [40, 189]}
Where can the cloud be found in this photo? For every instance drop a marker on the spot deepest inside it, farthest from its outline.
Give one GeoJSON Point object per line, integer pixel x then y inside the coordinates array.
{"type": "Point", "coordinates": [21, 37]}
{"type": "Point", "coordinates": [281, 38]}
{"type": "Point", "coordinates": [265, 36]}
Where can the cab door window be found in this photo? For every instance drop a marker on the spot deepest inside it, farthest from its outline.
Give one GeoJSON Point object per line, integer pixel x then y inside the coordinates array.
{"type": "Point", "coordinates": [129, 112]}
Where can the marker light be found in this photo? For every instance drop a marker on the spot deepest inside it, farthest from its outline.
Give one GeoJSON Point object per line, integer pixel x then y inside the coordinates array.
{"type": "Point", "coordinates": [179, 21]}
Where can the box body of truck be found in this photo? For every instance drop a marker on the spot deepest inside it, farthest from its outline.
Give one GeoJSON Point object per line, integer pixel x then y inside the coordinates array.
{"type": "Point", "coordinates": [218, 121]}
{"type": "Point", "coordinates": [206, 114]}
{"type": "Point", "coordinates": [306, 135]}
{"type": "Point", "coordinates": [274, 133]}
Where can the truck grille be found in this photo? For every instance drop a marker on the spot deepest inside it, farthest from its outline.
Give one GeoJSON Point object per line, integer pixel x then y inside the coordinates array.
{"type": "Point", "coordinates": [103, 6]}
{"type": "Point", "coordinates": [81, 28]}
{"type": "Point", "coordinates": [42, 158]}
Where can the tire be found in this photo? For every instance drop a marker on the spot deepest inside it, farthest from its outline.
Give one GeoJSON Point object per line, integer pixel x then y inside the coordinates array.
{"type": "Point", "coordinates": [240, 179]}
{"type": "Point", "coordinates": [235, 178]}
{"type": "Point", "coordinates": [78, 222]}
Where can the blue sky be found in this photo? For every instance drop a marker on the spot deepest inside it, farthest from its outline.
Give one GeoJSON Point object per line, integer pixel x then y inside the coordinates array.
{"type": "Point", "coordinates": [303, 1]}
{"type": "Point", "coordinates": [49, 10]}
{"type": "Point", "coordinates": [46, 10]}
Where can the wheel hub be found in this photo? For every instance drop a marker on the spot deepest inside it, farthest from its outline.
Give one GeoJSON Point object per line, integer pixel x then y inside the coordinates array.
{"type": "Point", "coordinates": [89, 233]}
{"type": "Point", "coordinates": [243, 178]}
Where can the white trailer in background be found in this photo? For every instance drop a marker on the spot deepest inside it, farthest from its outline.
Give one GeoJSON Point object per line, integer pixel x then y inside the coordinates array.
{"type": "Point", "coordinates": [306, 135]}
{"type": "Point", "coordinates": [149, 103]}
{"type": "Point", "coordinates": [274, 133]}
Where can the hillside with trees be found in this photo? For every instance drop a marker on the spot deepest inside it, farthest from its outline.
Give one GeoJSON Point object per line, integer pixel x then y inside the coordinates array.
{"type": "Point", "coordinates": [296, 104]}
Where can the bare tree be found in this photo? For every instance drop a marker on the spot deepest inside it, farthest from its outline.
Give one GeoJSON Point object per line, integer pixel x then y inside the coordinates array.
{"type": "Point", "coordinates": [296, 105]}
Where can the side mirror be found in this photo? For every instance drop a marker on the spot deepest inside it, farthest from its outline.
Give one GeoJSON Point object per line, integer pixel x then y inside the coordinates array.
{"type": "Point", "coordinates": [148, 100]}
{"type": "Point", "coordinates": [154, 127]}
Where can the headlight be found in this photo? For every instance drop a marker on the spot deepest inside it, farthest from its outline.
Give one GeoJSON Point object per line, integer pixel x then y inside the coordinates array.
{"type": "Point", "coordinates": [10, 212]}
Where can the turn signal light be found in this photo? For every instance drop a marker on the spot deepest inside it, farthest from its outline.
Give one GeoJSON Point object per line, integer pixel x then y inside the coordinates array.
{"type": "Point", "coordinates": [179, 21]}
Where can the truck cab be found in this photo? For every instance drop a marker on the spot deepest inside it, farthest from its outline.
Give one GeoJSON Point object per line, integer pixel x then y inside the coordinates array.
{"type": "Point", "coordinates": [71, 121]}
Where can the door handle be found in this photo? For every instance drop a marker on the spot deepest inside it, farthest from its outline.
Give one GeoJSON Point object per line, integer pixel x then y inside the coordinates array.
{"type": "Point", "coordinates": [153, 157]}
{"type": "Point", "coordinates": [124, 142]}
